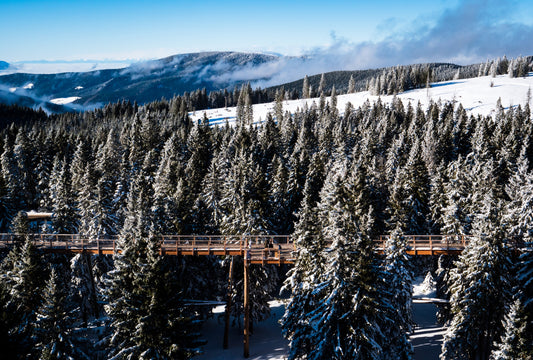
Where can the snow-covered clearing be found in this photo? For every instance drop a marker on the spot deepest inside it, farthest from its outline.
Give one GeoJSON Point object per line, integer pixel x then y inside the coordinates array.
{"type": "Point", "coordinates": [268, 343]}
{"type": "Point", "coordinates": [265, 343]}
{"type": "Point", "coordinates": [63, 101]}
{"type": "Point", "coordinates": [477, 96]}
{"type": "Point", "coordinates": [428, 334]}
{"type": "Point", "coordinates": [424, 286]}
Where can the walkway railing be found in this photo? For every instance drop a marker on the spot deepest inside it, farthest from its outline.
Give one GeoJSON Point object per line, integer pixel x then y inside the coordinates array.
{"type": "Point", "coordinates": [430, 244]}
{"type": "Point", "coordinates": [257, 248]}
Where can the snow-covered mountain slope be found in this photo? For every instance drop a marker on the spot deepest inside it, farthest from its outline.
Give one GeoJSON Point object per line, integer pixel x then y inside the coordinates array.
{"type": "Point", "coordinates": [477, 95]}
{"type": "Point", "coordinates": [141, 82]}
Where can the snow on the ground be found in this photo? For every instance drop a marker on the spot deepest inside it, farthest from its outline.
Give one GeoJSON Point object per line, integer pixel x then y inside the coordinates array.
{"type": "Point", "coordinates": [63, 101]}
{"type": "Point", "coordinates": [265, 343]}
{"type": "Point", "coordinates": [477, 96]}
{"type": "Point", "coordinates": [78, 88]}
{"type": "Point", "coordinates": [424, 286]}
{"type": "Point", "coordinates": [428, 335]}
{"type": "Point", "coordinates": [13, 89]}
{"type": "Point", "coordinates": [28, 86]}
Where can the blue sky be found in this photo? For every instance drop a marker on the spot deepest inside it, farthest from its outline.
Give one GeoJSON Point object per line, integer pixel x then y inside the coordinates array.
{"type": "Point", "coordinates": [356, 34]}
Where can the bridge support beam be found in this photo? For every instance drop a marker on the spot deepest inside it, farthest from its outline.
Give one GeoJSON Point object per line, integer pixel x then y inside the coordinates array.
{"type": "Point", "coordinates": [228, 305]}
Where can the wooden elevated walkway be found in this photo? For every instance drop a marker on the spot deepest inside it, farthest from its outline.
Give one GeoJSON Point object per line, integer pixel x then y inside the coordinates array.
{"type": "Point", "coordinates": [255, 249]}
{"type": "Point", "coordinates": [258, 249]}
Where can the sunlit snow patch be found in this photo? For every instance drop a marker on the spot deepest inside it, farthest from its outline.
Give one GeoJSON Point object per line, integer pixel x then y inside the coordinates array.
{"type": "Point", "coordinates": [63, 101]}
{"type": "Point", "coordinates": [28, 86]}
{"type": "Point", "coordinates": [78, 88]}
{"type": "Point", "coordinates": [12, 90]}
{"type": "Point", "coordinates": [426, 287]}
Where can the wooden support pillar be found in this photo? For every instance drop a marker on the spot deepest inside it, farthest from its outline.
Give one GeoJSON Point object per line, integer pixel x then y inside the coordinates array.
{"type": "Point", "coordinates": [92, 299]}
{"type": "Point", "coordinates": [246, 307]}
{"type": "Point", "coordinates": [228, 305]}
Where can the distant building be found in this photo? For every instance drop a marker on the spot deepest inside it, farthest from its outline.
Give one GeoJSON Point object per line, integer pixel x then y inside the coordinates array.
{"type": "Point", "coordinates": [38, 220]}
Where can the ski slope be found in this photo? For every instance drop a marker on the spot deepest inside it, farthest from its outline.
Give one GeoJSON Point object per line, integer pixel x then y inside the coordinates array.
{"type": "Point", "coordinates": [476, 95]}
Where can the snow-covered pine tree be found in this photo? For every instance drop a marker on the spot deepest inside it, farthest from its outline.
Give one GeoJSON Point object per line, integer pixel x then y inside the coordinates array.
{"type": "Point", "coordinates": [13, 180]}
{"type": "Point", "coordinates": [83, 289]}
{"type": "Point", "coordinates": [64, 218]}
{"type": "Point", "coordinates": [333, 102]}
{"type": "Point", "coordinates": [53, 325]}
{"type": "Point", "coordinates": [398, 279]}
{"type": "Point", "coordinates": [346, 321]}
{"type": "Point", "coordinates": [525, 283]}
{"type": "Point", "coordinates": [303, 276]}
{"type": "Point", "coordinates": [279, 201]}
{"type": "Point", "coordinates": [212, 196]}
{"type": "Point", "coordinates": [351, 85]}
{"type": "Point", "coordinates": [44, 159]}
{"type": "Point", "coordinates": [165, 328]}
{"type": "Point", "coordinates": [164, 185]}
{"type": "Point", "coordinates": [516, 341]}
{"type": "Point", "coordinates": [244, 106]}
{"type": "Point", "coordinates": [147, 319]}
{"type": "Point", "coordinates": [305, 88]}
{"type": "Point", "coordinates": [107, 174]}
{"type": "Point", "coordinates": [24, 280]}
{"type": "Point", "coordinates": [278, 104]}
{"type": "Point", "coordinates": [245, 204]}
{"type": "Point", "coordinates": [437, 200]}
{"type": "Point", "coordinates": [408, 202]}
{"type": "Point", "coordinates": [518, 216]}
{"type": "Point", "coordinates": [479, 288]}
{"type": "Point", "coordinates": [5, 208]}
{"type": "Point", "coordinates": [321, 85]}
{"type": "Point", "coordinates": [455, 219]}
{"type": "Point", "coordinates": [124, 298]}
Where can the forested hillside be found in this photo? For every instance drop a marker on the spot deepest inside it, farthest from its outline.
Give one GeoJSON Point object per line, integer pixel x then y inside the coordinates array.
{"type": "Point", "coordinates": [213, 80]}
{"type": "Point", "coordinates": [142, 171]}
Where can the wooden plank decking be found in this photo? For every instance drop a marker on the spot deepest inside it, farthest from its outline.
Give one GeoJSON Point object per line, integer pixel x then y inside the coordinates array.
{"type": "Point", "coordinates": [279, 249]}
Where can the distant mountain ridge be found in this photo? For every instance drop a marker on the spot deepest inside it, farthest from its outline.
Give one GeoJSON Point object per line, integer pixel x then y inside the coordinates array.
{"type": "Point", "coordinates": [174, 75]}
{"type": "Point", "coordinates": [3, 65]}
{"type": "Point", "coordinates": [140, 82]}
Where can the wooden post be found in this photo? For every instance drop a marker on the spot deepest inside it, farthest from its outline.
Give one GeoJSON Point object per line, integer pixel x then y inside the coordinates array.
{"type": "Point", "coordinates": [228, 305]}
{"type": "Point", "coordinates": [246, 307]}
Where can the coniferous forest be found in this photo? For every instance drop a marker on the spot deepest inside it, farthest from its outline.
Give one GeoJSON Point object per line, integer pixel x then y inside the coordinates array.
{"type": "Point", "coordinates": [142, 171]}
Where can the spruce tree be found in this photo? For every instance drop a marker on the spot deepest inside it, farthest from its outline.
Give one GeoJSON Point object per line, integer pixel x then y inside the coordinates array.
{"type": "Point", "coordinates": [147, 319]}
{"type": "Point", "coordinates": [83, 291]}
{"type": "Point", "coordinates": [53, 325]}
{"type": "Point", "coordinates": [346, 322]}
{"type": "Point", "coordinates": [64, 218]}
{"type": "Point", "coordinates": [305, 88]}
{"type": "Point", "coordinates": [24, 280]}
{"type": "Point", "coordinates": [351, 85]}
{"type": "Point", "coordinates": [479, 288]}
{"type": "Point", "coordinates": [303, 276]}
{"type": "Point", "coordinates": [516, 340]}
{"type": "Point", "coordinates": [398, 289]}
